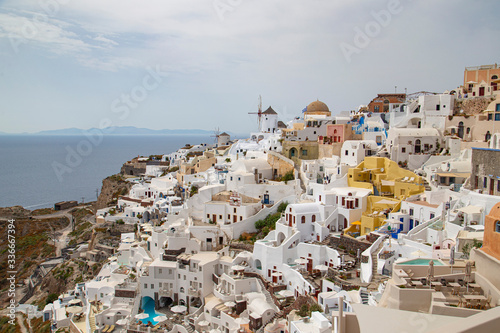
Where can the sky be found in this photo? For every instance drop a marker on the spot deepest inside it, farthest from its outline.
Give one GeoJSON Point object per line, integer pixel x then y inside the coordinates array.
{"type": "Point", "coordinates": [202, 64]}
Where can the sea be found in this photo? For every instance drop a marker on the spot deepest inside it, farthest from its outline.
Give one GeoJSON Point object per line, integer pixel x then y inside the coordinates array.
{"type": "Point", "coordinates": [37, 171]}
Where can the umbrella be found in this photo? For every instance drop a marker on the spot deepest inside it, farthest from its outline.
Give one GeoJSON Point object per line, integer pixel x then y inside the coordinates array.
{"type": "Point", "coordinates": [358, 255]}
{"type": "Point", "coordinates": [121, 321]}
{"type": "Point", "coordinates": [160, 318]}
{"type": "Point", "coordinates": [418, 253]}
{"type": "Point", "coordinates": [142, 316]}
{"type": "Point", "coordinates": [230, 304]}
{"type": "Point", "coordinates": [452, 257]}
{"type": "Point", "coordinates": [285, 293]}
{"type": "Point", "coordinates": [468, 271]}
{"type": "Point", "coordinates": [301, 261]}
{"type": "Point", "coordinates": [242, 321]}
{"type": "Point", "coordinates": [203, 323]}
{"type": "Point", "coordinates": [430, 272]}
{"type": "Point", "coordinates": [178, 308]}
{"type": "Point", "coordinates": [74, 309]}
{"type": "Point", "coordinates": [321, 267]}
{"type": "Point", "coordinates": [74, 301]}
{"type": "Point", "coordinates": [237, 268]}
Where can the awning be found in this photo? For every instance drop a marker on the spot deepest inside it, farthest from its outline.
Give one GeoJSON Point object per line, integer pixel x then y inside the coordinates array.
{"type": "Point", "coordinates": [387, 183]}
{"type": "Point", "coordinates": [471, 209]}
{"type": "Point", "coordinates": [356, 223]}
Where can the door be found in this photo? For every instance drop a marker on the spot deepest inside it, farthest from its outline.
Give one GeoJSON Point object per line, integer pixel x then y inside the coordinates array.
{"type": "Point", "coordinates": [481, 91]}
{"type": "Point", "coordinates": [214, 218]}
{"type": "Point", "coordinates": [235, 218]}
{"type": "Point", "coordinates": [492, 186]}
{"type": "Point", "coordinates": [309, 265]}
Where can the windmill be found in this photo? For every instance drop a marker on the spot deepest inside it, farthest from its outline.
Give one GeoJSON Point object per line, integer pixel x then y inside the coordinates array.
{"type": "Point", "coordinates": [216, 135]}
{"type": "Point", "coordinates": [259, 112]}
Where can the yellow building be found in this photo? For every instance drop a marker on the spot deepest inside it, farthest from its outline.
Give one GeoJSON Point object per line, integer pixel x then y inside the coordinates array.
{"type": "Point", "coordinates": [389, 183]}
{"type": "Point", "coordinates": [385, 178]}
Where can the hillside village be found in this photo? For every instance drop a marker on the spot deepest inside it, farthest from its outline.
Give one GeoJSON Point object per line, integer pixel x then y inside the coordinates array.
{"type": "Point", "coordinates": [324, 223]}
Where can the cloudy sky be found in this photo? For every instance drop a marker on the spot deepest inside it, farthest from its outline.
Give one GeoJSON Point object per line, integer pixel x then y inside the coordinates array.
{"type": "Point", "coordinates": [203, 63]}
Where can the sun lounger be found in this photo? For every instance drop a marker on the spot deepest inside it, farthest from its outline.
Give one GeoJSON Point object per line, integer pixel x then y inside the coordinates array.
{"type": "Point", "coordinates": [105, 329]}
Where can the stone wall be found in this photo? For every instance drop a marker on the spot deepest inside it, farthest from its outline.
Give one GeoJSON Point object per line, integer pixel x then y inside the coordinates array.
{"type": "Point", "coordinates": [485, 170]}
{"type": "Point", "coordinates": [280, 164]}
{"type": "Point", "coordinates": [348, 244]}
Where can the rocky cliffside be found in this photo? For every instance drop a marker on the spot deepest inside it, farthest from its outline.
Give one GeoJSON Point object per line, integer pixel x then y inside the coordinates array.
{"type": "Point", "coordinates": [112, 187]}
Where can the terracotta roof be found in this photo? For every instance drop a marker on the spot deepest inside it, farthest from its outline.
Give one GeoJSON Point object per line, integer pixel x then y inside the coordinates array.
{"type": "Point", "coordinates": [269, 111]}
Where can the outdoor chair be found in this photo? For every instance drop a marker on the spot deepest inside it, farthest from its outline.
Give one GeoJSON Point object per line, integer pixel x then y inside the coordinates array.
{"type": "Point", "coordinates": [443, 282]}
{"type": "Point", "coordinates": [474, 303]}
{"type": "Point", "coordinates": [105, 329]}
{"type": "Point", "coordinates": [482, 304]}
{"type": "Point", "coordinates": [462, 302]}
{"type": "Point", "coordinates": [461, 282]}
{"type": "Point", "coordinates": [488, 302]}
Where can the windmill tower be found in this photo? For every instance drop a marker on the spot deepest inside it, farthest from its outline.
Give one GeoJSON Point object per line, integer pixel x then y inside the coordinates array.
{"type": "Point", "coordinates": [259, 112]}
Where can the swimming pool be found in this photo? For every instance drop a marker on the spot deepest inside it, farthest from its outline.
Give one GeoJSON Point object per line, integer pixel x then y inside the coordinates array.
{"type": "Point", "coordinates": [422, 262]}
{"type": "Point", "coordinates": [149, 308]}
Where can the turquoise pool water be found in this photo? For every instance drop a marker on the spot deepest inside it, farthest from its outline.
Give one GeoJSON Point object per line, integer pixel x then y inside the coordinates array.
{"type": "Point", "coordinates": [149, 308]}
{"type": "Point", "coordinates": [422, 262]}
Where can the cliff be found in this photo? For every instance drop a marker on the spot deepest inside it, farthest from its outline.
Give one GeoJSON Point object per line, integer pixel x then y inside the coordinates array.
{"type": "Point", "coordinates": [112, 187]}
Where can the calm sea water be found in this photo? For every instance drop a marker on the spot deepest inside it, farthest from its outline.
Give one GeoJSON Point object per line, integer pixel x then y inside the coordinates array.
{"type": "Point", "coordinates": [28, 165]}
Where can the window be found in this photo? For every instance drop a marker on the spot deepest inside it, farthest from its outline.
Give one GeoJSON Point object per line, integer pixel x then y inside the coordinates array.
{"type": "Point", "coordinates": [304, 152]}
{"type": "Point", "coordinates": [313, 218]}
{"type": "Point", "coordinates": [376, 108]}
{"type": "Point", "coordinates": [234, 210]}
{"type": "Point", "coordinates": [152, 286]}
{"type": "Point", "coordinates": [182, 290]}
{"type": "Point", "coordinates": [403, 150]}
{"type": "Point", "coordinates": [432, 216]}
{"type": "Point", "coordinates": [160, 271]}
{"type": "Point", "coordinates": [145, 287]}
{"type": "Point", "coordinates": [497, 226]}
{"type": "Point", "coordinates": [303, 219]}
{"type": "Point", "coordinates": [497, 107]}
{"type": "Point", "coordinates": [468, 130]}
{"type": "Point", "coordinates": [411, 211]}
{"type": "Point", "coordinates": [490, 116]}
{"type": "Point", "coordinates": [438, 107]}
{"type": "Point", "coordinates": [497, 115]}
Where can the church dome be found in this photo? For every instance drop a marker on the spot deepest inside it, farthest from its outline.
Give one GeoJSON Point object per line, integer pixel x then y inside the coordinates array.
{"type": "Point", "coordinates": [317, 107]}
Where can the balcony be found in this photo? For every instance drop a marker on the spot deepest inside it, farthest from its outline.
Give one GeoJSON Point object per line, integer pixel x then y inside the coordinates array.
{"type": "Point", "coordinates": [165, 292]}
{"type": "Point", "coordinates": [193, 292]}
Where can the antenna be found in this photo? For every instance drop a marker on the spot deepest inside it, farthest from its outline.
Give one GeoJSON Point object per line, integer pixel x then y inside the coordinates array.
{"type": "Point", "coordinates": [259, 112]}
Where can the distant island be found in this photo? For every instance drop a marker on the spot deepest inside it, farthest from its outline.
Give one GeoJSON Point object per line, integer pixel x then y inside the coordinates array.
{"type": "Point", "coordinates": [118, 130]}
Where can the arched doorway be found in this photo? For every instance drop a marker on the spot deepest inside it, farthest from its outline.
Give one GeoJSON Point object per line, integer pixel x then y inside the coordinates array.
{"type": "Point", "coordinates": [418, 145]}
{"type": "Point", "coordinates": [461, 130]}
{"type": "Point", "coordinates": [280, 238]}
{"type": "Point", "coordinates": [293, 152]}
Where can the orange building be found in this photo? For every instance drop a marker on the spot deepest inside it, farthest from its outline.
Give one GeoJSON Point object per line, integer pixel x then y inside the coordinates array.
{"type": "Point", "coordinates": [382, 101]}
{"type": "Point", "coordinates": [491, 241]}
{"type": "Point", "coordinates": [481, 80]}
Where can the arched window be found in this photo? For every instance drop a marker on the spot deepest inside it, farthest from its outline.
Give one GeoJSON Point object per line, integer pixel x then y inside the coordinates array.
{"type": "Point", "coordinates": [417, 146]}
{"type": "Point", "coordinates": [182, 289]}
{"type": "Point", "coordinates": [258, 264]}
{"type": "Point", "coordinates": [313, 218]}
{"type": "Point", "coordinates": [303, 219]}
{"type": "Point", "coordinates": [494, 77]}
